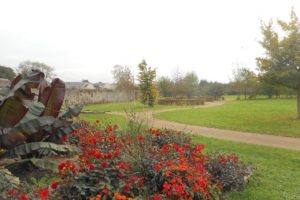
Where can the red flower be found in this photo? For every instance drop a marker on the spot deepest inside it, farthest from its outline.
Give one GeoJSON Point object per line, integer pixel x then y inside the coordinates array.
{"type": "Point", "coordinates": [167, 173]}
{"type": "Point", "coordinates": [12, 192]}
{"type": "Point", "coordinates": [157, 167]}
{"type": "Point", "coordinates": [97, 121]}
{"type": "Point", "coordinates": [105, 191]}
{"type": "Point", "coordinates": [165, 148]}
{"type": "Point", "coordinates": [166, 186]}
{"type": "Point", "coordinates": [23, 197]}
{"type": "Point", "coordinates": [109, 128]}
{"type": "Point", "coordinates": [219, 185]}
{"type": "Point", "coordinates": [64, 138]}
{"type": "Point", "coordinates": [92, 167]}
{"type": "Point", "coordinates": [54, 185]}
{"type": "Point", "coordinates": [104, 164]}
{"type": "Point", "coordinates": [179, 180]}
{"type": "Point", "coordinates": [43, 193]}
{"type": "Point", "coordinates": [122, 165]}
{"type": "Point", "coordinates": [189, 178]}
{"type": "Point", "coordinates": [97, 155]}
{"type": "Point", "coordinates": [157, 197]}
{"type": "Point", "coordinates": [222, 159]}
{"type": "Point", "coordinates": [140, 138]}
{"type": "Point", "coordinates": [116, 153]}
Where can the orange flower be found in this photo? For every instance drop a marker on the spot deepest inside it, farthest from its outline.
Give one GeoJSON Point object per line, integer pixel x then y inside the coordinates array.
{"type": "Point", "coordinates": [118, 196]}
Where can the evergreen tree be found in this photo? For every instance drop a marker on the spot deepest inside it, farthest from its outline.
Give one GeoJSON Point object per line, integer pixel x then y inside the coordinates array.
{"type": "Point", "coordinates": [148, 89]}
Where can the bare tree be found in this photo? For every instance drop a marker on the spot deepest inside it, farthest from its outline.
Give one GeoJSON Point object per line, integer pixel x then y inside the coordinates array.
{"type": "Point", "coordinates": [124, 79]}
{"type": "Point", "coordinates": [27, 66]}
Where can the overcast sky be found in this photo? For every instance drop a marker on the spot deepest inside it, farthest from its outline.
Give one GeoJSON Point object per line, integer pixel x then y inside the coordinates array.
{"type": "Point", "coordinates": [85, 39]}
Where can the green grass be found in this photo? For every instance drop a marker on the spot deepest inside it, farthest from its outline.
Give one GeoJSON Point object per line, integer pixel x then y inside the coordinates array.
{"type": "Point", "coordinates": [274, 117]}
{"type": "Point", "coordinates": [128, 106]}
{"type": "Point", "coordinates": [106, 119]}
{"type": "Point", "coordinates": [277, 174]}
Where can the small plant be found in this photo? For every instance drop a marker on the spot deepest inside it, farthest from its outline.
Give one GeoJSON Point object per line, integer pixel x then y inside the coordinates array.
{"type": "Point", "coordinates": [229, 171]}
{"type": "Point", "coordinates": [31, 124]}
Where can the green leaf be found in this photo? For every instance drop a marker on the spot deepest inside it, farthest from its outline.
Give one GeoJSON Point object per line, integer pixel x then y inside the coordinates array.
{"type": "Point", "coordinates": [32, 147]}
{"type": "Point", "coordinates": [37, 162]}
{"type": "Point", "coordinates": [45, 164]}
{"type": "Point", "coordinates": [35, 125]}
{"type": "Point", "coordinates": [72, 111]}
{"type": "Point", "coordinates": [35, 110]}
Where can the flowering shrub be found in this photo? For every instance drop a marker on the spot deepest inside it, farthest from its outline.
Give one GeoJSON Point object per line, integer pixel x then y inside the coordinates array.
{"type": "Point", "coordinates": [158, 164]}
{"type": "Point", "coordinates": [228, 171]}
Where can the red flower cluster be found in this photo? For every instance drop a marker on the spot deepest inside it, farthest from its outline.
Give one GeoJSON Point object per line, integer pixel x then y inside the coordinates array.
{"type": "Point", "coordinates": [229, 158]}
{"type": "Point", "coordinates": [67, 167]}
{"type": "Point", "coordinates": [119, 163]}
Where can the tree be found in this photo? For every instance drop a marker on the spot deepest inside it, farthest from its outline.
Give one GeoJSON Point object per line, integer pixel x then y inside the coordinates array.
{"type": "Point", "coordinates": [237, 78]}
{"type": "Point", "coordinates": [27, 66]}
{"type": "Point", "coordinates": [124, 79]}
{"type": "Point", "coordinates": [281, 63]}
{"type": "Point", "coordinates": [166, 86]}
{"type": "Point", "coordinates": [190, 82]}
{"type": "Point", "coordinates": [7, 72]}
{"type": "Point", "coordinates": [245, 81]}
{"type": "Point", "coordinates": [202, 87]}
{"type": "Point", "coordinates": [146, 78]}
{"type": "Point", "coordinates": [177, 79]}
{"type": "Point", "coordinates": [215, 90]}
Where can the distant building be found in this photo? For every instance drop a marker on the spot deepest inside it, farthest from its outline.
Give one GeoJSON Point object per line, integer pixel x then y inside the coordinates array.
{"type": "Point", "coordinates": [80, 85]}
{"type": "Point", "coordinates": [109, 86]}
{"type": "Point", "coordinates": [99, 85]}
{"type": "Point", "coordinates": [105, 86]}
{"type": "Point", "coordinates": [4, 82]}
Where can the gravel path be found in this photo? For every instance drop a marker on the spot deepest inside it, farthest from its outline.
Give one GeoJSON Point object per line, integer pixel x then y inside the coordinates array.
{"type": "Point", "coordinates": [237, 136]}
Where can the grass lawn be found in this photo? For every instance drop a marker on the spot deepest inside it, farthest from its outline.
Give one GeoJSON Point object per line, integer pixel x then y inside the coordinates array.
{"type": "Point", "coordinates": [105, 119]}
{"type": "Point", "coordinates": [274, 117]}
{"type": "Point", "coordinates": [277, 174]}
{"type": "Point", "coordinates": [128, 106]}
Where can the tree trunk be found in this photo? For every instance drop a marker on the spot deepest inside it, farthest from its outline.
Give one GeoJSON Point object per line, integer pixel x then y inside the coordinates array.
{"type": "Point", "coordinates": [298, 103]}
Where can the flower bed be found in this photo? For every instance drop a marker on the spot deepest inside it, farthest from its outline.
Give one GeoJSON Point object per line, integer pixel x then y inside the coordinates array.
{"type": "Point", "coordinates": [156, 164]}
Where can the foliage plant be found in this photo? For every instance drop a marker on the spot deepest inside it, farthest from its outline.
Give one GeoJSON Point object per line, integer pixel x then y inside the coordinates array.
{"type": "Point", "coordinates": [149, 91]}
{"type": "Point", "coordinates": [31, 124]}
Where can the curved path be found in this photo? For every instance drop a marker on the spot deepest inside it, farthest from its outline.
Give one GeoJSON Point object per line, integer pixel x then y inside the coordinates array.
{"type": "Point", "coordinates": [237, 136]}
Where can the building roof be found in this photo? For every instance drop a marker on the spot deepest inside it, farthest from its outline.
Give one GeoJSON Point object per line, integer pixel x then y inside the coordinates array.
{"type": "Point", "coordinates": [79, 85]}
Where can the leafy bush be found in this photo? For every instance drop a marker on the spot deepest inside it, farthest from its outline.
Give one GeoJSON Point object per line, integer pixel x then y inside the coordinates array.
{"type": "Point", "coordinates": [229, 171]}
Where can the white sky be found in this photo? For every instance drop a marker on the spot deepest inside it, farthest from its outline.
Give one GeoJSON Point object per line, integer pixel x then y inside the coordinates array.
{"type": "Point", "coordinates": [85, 39]}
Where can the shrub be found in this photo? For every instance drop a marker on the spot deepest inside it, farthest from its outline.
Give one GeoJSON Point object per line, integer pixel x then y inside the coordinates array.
{"type": "Point", "coordinates": [229, 171]}
{"type": "Point", "coordinates": [157, 164]}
